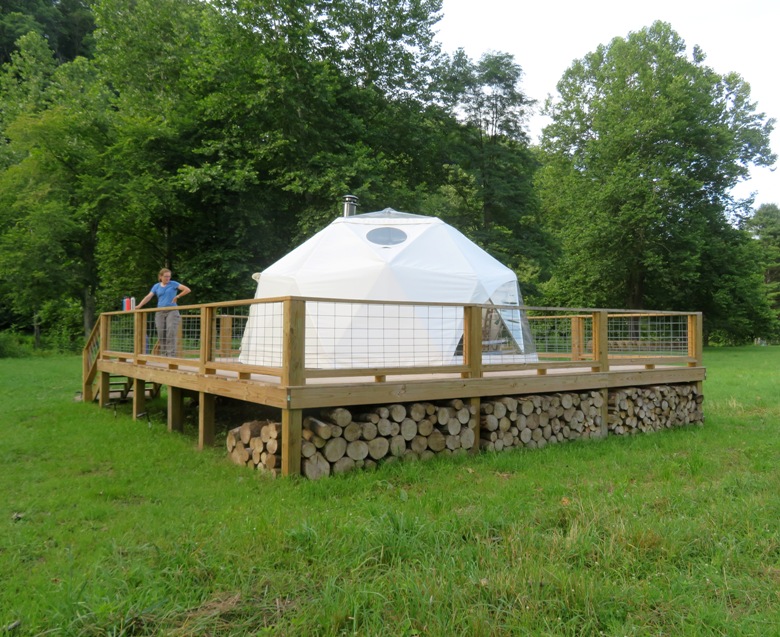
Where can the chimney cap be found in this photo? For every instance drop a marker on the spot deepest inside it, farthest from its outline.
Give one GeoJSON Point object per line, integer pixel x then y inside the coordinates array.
{"type": "Point", "coordinates": [350, 205]}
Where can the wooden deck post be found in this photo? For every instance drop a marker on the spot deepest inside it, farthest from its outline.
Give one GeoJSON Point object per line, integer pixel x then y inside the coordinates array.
{"type": "Point", "coordinates": [696, 344]}
{"type": "Point", "coordinates": [206, 337]}
{"type": "Point", "coordinates": [294, 339]}
{"type": "Point", "coordinates": [600, 341]}
{"type": "Point", "coordinates": [104, 384]}
{"type": "Point", "coordinates": [87, 395]}
{"type": "Point", "coordinates": [104, 390]}
{"type": "Point", "coordinates": [472, 341]}
{"type": "Point", "coordinates": [293, 362]}
{"type": "Point", "coordinates": [292, 420]}
{"type": "Point", "coordinates": [601, 354]}
{"type": "Point", "coordinates": [577, 340]}
{"type": "Point", "coordinates": [139, 397]}
{"type": "Point", "coordinates": [205, 419]}
{"type": "Point", "coordinates": [695, 338]}
{"type": "Point", "coordinates": [139, 336]}
{"type": "Point", "coordinates": [175, 408]}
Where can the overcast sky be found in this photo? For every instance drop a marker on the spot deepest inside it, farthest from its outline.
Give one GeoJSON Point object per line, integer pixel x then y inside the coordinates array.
{"type": "Point", "coordinates": [545, 37]}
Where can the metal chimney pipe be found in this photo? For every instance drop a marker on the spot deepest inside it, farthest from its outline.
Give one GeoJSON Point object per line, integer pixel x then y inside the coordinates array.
{"type": "Point", "coordinates": [350, 205]}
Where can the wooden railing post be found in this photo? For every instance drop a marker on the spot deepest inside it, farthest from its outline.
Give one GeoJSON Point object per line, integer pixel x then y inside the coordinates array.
{"type": "Point", "coordinates": [293, 364]}
{"type": "Point", "coordinates": [577, 340]}
{"type": "Point", "coordinates": [600, 341]}
{"type": "Point", "coordinates": [87, 395]}
{"type": "Point", "coordinates": [472, 341]}
{"type": "Point", "coordinates": [207, 327]}
{"type": "Point", "coordinates": [206, 401]}
{"type": "Point", "coordinates": [695, 344]}
{"type": "Point", "coordinates": [104, 387]}
{"type": "Point", "coordinates": [139, 335]}
{"type": "Point", "coordinates": [294, 339]}
{"type": "Point", "coordinates": [105, 332]}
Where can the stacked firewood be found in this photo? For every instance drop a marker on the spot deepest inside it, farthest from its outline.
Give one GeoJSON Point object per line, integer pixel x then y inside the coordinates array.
{"type": "Point", "coordinates": [257, 443]}
{"type": "Point", "coordinates": [338, 441]}
{"type": "Point", "coordinates": [647, 409]}
{"type": "Point", "coordinates": [535, 421]}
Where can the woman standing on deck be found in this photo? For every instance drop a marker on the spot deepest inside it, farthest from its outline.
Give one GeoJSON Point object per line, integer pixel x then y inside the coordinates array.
{"type": "Point", "coordinates": [167, 322]}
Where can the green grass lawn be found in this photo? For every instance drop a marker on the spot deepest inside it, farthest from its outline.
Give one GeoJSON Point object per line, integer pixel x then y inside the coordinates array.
{"type": "Point", "coordinates": [115, 527]}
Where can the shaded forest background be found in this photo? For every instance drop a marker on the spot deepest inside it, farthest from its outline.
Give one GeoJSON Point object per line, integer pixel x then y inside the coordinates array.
{"type": "Point", "coordinates": [213, 136]}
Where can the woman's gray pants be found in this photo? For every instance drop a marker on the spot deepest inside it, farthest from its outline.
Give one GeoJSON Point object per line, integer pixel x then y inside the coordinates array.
{"type": "Point", "coordinates": [167, 324]}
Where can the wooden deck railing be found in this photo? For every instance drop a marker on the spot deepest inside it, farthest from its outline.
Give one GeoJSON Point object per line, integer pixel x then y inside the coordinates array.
{"type": "Point", "coordinates": [211, 336]}
{"type": "Point", "coordinates": [89, 358]}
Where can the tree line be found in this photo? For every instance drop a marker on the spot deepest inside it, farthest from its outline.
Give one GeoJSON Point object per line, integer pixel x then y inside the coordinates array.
{"type": "Point", "coordinates": [212, 137]}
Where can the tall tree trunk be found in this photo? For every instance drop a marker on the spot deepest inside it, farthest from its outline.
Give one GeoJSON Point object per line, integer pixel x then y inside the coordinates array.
{"type": "Point", "coordinates": [37, 331]}
{"type": "Point", "coordinates": [88, 311]}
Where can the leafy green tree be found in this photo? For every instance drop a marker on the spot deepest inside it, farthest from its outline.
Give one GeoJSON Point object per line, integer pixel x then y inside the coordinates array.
{"type": "Point", "coordinates": [210, 137]}
{"type": "Point", "coordinates": [23, 87]}
{"type": "Point", "coordinates": [265, 120]}
{"type": "Point", "coordinates": [52, 205]}
{"type": "Point", "coordinates": [67, 26]}
{"type": "Point", "coordinates": [643, 151]}
{"type": "Point", "coordinates": [765, 226]}
{"type": "Point", "coordinates": [488, 192]}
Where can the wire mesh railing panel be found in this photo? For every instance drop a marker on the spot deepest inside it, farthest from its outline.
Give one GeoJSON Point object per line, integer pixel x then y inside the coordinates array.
{"type": "Point", "coordinates": [262, 334]}
{"type": "Point", "coordinates": [364, 335]}
{"type": "Point", "coordinates": [345, 334]}
{"type": "Point", "coordinates": [150, 346]}
{"type": "Point", "coordinates": [568, 337]}
{"type": "Point", "coordinates": [506, 336]}
{"type": "Point", "coordinates": [227, 329]}
{"type": "Point", "coordinates": [648, 335]}
{"type": "Point", "coordinates": [120, 333]}
{"type": "Point", "coordinates": [188, 334]}
{"type": "Point", "coordinates": [172, 333]}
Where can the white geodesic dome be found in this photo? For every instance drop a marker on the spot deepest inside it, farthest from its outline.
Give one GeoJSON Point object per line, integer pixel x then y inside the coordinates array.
{"type": "Point", "coordinates": [393, 257]}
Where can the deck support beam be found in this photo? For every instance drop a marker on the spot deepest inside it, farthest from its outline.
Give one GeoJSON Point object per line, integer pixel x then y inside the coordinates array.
{"type": "Point", "coordinates": [294, 357]}
{"type": "Point", "coordinates": [205, 419]}
{"type": "Point", "coordinates": [600, 341]}
{"type": "Point", "coordinates": [472, 341]}
{"type": "Point", "coordinates": [175, 408]}
{"type": "Point", "coordinates": [139, 397]}
{"type": "Point", "coordinates": [105, 389]}
{"type": "Point", "coordinates": [292, 420]}
{"type": "Point", "coordinates": [695, 344]}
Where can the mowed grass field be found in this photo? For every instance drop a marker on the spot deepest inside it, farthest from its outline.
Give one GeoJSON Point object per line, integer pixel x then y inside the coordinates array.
{"type": "Point", "coordinates": [115, 527]}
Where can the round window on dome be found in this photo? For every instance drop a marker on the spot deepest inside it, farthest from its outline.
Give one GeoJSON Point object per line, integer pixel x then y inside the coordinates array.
{"type": "Point", "coordinates": [386, 236]}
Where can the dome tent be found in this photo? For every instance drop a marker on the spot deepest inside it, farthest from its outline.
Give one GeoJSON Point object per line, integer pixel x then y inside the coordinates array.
{"type": "Point", "coordinates": [393, 257]}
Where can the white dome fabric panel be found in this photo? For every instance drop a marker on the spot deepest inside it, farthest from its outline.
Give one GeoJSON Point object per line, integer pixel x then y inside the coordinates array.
{"type": "Point", "coordinates": [382, 256]}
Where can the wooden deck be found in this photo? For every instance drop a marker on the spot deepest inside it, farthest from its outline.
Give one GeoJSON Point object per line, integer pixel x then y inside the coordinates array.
{"type": "Point", "coordinates": [578, 350]}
